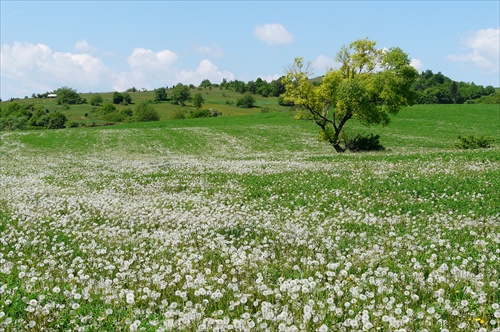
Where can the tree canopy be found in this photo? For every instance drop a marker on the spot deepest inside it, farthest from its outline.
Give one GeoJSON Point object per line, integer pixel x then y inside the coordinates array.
{"type": "Point", "coordinates": [66, 95]}
{"type": "Point", "coordinates": [180, 94]}
{"type": "Point", "coordinates": [370, 85]}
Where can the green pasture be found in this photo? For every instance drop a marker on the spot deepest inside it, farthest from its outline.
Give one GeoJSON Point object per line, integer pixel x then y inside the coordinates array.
{"type": "Point", "coordinates": [418, 127]}
{"type": "Point", "coordinates": [250, 223]}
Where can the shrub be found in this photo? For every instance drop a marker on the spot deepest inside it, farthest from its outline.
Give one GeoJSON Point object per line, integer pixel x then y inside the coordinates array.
{"type": "Point", "coordinates": [362, 142]}
{"type": "Point", "coordinates": [247, 101]}
{"type": "Point", "coordinates": [145, 113]}
{"type": "Point", "coordinates": [107, 109]}
{"type": "Point", "coordinates": [472, 142]}
{"type": "Point", "coordinates": [96, 100]}
{"type": "Point", "coordinates": [207, 113]}
{"type": "Point", "coordinates": [57, 120]}
{"type": "Point", "coordinates": [179, 114]}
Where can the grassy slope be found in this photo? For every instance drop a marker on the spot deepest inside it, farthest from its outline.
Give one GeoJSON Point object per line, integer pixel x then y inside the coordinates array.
{"type": "Point", "coordinates": [414, 128]}
{"type": "Point", "coordinates": [222, 100]}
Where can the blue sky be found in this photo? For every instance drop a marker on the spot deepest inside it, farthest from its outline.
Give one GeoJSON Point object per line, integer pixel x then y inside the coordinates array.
{"type": "Point", "coordinates": [98, 46]}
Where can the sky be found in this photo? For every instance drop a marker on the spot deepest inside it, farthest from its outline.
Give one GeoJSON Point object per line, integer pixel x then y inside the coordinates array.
{"type": "Point", "coordinates": [103, 46]}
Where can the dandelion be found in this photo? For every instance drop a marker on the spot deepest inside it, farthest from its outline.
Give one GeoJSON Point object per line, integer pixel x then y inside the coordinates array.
{"type": "Point", "coordinates": [130, 298]}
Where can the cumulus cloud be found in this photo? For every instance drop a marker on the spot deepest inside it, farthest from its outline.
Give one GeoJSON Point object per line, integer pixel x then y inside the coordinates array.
{"type": "Point", "coordinates": [206, 70]}
{"type": "Point", "coordinates": [273, 34]}
{"type": "Point", "coordinates": [212, 50]}
{"type": "Point", "coordinates": [417, 64]}
{"type": "Point", "coordinates": [37, 68]}
{"type": "Point", "coordinates": [148, 69]}
{"type": "Point", "coordinates": [34, 68]}
{"type": "Point", "coordinates": [484, 50]}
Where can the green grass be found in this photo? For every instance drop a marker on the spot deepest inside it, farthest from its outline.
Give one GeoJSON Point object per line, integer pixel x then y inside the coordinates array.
{"type": "Point", "coordinates": [423, 126]}
{"type": "Point", "coordinates": [254, 207]}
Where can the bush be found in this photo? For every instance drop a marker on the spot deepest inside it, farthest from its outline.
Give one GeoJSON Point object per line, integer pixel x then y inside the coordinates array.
{"type": "Point", "coordinates": [360, 142]}
{"type": "Point", "coordinates": [96, 100]}
{"type": "Point", "coordinates": [145, 113]}
{"type": "Point", "coordinates": [57, 120]}
{"type": "Point", "coordinates": [472, 142]}
{"type": "Point", "coordinates": [107, 109]}
{"type": "Point", "coordinates": [179, 114]}
{"type": "Point", "coordinates": [247, 101]}
{"type": "Point", "coordinates": [212, 112]}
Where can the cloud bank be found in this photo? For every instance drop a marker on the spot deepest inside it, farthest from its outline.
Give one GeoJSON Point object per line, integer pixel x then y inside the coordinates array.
{"type": "Point", "coordinates": [35, 68]}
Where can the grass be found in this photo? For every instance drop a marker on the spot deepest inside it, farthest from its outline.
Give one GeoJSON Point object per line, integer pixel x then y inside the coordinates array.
{"type": "Point", "coordinates": [250, 223]}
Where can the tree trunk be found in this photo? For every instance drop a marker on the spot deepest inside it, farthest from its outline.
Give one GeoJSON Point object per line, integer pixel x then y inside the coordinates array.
{"type": "Point", "coordinates": [338, 129]}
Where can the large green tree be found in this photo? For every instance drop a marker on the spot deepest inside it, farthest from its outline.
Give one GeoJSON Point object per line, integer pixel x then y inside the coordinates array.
{"type": "Point", "coordinates": [180, 94]}
{"type": "Point", "coordinates": [370, 85]}
{"type": "Point", "coordinates": [198, 100]}
{"type": "Point", "coordinates": [66, 95]}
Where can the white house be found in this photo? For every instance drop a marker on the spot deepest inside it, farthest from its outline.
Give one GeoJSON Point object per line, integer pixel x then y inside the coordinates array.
{"type": "Point", "coordinates": [51, 95]}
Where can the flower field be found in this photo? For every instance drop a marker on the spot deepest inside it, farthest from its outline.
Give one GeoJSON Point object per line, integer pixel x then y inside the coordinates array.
{"type": "Point", "coordinates": [142, 229]}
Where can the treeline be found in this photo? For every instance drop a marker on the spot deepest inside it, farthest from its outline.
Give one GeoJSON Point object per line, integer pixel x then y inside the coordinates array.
{"type": "Point", "coordinates": [438, 89]}
{"type": "Point", "coordinates": [16, 116]}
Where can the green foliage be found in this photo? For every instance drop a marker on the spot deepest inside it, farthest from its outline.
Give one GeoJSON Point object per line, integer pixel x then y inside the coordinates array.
{"type": "Point", "coordinates": [364, 142]}
{"type": "Point", "coordinates": [122, 98]}
{"type": "Point", "coordinates": [198, 100]}
{"type": "Point", "coordinates": [57, 120]}
{"type": "Point", "coordinates": [160, 94]}
{"type": "Point", "coordinates": [207, 113]}
{"type": "Point", "coordinates": [107, 109]}
{"type": "Point", "coordinates": [39, 118]}
{"type": "Point", "coordinates": [66, 95]}
{"type": "Point", "coordinates": [179, 114]}
{"type": "Point", "coordinates": [493, 98]}
{"type": "Point", "coordinates": [370, 85]}
{"type": "Point", "coordinates": [180, 94]}
{"type": "Point", "coordinates": [473, 142]}
{"type": "Point", "coordinates": [96, 100]}
{"type": "Point", "coordinates": [438, 89]}
{"type": "Point", "coordinates": [283, 102]}
{"type": "Point", "coordinates": [205, 83]}
{"type": "Point", "coordinates": [145, 113]}
{"type": "Point", "coordinates": [247, 101]}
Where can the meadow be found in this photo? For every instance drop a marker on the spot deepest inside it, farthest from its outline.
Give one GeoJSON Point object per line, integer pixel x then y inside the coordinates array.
{"type": "Point", "coordinates": [249, 223]}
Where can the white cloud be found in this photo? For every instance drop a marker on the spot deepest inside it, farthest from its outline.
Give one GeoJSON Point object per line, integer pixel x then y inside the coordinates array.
{"type": "Point", "coordinates": [84, 46]}
{"type": "Point", "coordinates": [206, 70]}
{"type": "Point", "coordinates": [147, 60]}
{"type": "Point", "coordinates": [417, 64]}
{"type": "Point", "coordinates": [484, 50]}
{"type": "Point", "coordinates": [148, 69]}
{"type": "Point", "coordinates": [37, 68]}
{"type": "Point", "coordinates": [212, 49]}
{"type": "Point", "coordinates": [273, 34]}
{"type": "Point", "coordinates": [28, 68]}
{"type": "Point", "coordinates": [323, 63]}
